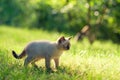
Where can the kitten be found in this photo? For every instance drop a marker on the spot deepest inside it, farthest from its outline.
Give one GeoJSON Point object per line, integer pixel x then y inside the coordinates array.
{"type": "Point", "coordinates": [44, 49]}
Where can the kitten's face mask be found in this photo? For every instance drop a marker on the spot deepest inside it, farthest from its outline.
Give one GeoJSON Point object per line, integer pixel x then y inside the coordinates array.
{"type": "Point", "coordinates": [64, 43]}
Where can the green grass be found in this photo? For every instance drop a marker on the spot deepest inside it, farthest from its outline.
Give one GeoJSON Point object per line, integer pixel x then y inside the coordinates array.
{"type": "Point", "coordinates": [100, 61]}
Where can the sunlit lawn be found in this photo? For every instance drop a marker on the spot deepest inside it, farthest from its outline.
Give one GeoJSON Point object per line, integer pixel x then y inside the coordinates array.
{"type": "Point", "coordinates": [100, 61]}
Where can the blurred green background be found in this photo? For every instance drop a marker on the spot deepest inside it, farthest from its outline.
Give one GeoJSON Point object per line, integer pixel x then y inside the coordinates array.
{"type": "Point", "coordinates": [68, 16]}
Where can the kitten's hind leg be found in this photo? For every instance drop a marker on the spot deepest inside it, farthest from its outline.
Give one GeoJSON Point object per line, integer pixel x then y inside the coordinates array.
{"type": "Point", "coordinates": [47, 63]}
{"type": "Point", "coordinates": [28, 60]}
{"type": "Point", "coordinates": [33, 63]}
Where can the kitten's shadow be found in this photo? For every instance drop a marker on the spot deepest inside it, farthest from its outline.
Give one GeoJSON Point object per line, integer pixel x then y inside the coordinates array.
{"type": "Point", "coordinates": [42, 70]}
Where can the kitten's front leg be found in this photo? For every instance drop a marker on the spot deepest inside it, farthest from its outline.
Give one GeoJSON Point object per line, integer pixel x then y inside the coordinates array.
{"type": "Point", "coordinates": [56, 60]}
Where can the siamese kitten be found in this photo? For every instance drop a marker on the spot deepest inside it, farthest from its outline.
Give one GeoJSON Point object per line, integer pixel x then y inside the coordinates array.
{"type": "Point", "coordinates": [44, 49]}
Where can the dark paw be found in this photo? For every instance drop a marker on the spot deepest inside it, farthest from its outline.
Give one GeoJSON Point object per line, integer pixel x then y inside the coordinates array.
{"type": "Point", "coordinates": [49, 70]}
{"type": "Point", "coordinates": [35, 66]}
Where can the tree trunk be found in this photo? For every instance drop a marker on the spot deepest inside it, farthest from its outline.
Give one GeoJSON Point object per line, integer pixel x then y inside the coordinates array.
{"type": "Point", "coordinates": [90, 30]}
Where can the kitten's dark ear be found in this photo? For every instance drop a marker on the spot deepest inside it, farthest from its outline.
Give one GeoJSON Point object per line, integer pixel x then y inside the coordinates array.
{"type": "Point", "coordinates": [61, 39]}
{"type": "Point", "coordinates": [69, 38]}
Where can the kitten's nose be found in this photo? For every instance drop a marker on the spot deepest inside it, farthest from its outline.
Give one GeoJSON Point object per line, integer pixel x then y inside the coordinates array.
{"type": "Point", "coordinates": [68, 47]}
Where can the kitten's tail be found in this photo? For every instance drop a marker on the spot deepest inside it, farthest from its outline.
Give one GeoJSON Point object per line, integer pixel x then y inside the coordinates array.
{"type": "Point", "coordinates": [19, 56]}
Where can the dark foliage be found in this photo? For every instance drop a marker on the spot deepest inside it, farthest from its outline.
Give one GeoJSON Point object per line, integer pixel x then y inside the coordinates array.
{"type": "Point", "coordinates": [68, 16]}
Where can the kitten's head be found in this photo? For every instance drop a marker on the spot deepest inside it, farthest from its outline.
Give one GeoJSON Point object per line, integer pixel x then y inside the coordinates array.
{"type": "Point", "coordinates": [64, 43]}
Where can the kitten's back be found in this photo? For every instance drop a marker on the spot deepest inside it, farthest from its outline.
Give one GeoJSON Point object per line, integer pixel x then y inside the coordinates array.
{"type": "Point", "coordinates": [41, 48]}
